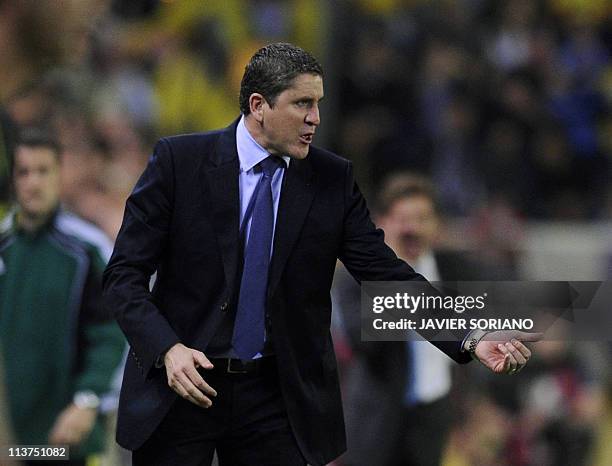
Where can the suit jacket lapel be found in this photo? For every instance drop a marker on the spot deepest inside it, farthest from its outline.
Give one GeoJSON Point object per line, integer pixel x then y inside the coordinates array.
{"type": "Point", "coordinates": [220, 189]}
{"type": "Point", "coordinates": [296, 197]}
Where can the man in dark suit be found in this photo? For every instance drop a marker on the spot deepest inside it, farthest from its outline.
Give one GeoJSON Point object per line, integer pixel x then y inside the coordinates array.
{"type": "Point", "coordinates": [401, 416]}
{"type": "Point", "coordinates": [243, 227]}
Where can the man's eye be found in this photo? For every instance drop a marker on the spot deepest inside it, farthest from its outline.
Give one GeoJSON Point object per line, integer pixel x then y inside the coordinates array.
{"type": "Point", "coordinates": [302, 103]}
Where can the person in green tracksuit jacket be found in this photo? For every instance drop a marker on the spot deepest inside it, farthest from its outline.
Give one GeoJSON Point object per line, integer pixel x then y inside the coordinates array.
{"type": "Point", "coordinates": [61, 350]}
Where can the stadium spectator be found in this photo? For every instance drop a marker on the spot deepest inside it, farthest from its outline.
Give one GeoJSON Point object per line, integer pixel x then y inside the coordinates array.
{"type": "Point", "coordinates": [400, 413]}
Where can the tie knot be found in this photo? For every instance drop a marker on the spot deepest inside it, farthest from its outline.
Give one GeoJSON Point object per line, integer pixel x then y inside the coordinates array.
{"type": "Point", "coordinates": [270, 164]}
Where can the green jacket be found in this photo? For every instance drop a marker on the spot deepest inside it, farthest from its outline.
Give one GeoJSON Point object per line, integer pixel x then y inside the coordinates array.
{"type": "Point", "coordinates": [54, 334]}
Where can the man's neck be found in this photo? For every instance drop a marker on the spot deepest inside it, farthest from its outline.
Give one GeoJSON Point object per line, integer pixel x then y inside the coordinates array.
{"type": "Point", "coordinates": [254, 129]}
{"type": "Point", "coordinates": [31, 223]}
{"type": "Point", "coordinates": [417, 259]}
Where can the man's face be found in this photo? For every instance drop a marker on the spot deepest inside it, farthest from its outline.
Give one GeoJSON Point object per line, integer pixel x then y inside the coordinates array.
{"type": "Point", "coordinates": [37, 181]}
{"type": "Point", "coordinates": [290, 124]}
{"type": "Point", "coordinates": [410, 226]}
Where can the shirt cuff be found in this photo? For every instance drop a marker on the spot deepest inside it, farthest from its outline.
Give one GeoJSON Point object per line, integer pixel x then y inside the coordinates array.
{"type": "Point", "coordinates": [475, 334]}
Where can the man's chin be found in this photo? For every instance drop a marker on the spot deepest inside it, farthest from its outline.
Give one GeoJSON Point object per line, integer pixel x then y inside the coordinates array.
{"type": "Point", "coordinates": [298, 155]}
{"type": "Point", "coordinates": [37, 212]}
{"type": "Point", "coordinates": [299, 151]}
{"type": "Point", "coordinates": [412, 253]}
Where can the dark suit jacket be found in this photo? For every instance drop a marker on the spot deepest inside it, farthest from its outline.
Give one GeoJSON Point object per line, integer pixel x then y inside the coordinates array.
{"type": "Point", "coordinates": [182, 220]}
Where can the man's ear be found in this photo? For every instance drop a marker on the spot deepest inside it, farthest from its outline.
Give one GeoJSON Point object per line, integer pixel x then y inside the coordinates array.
{"type": "Point", "coordinates": [256, 105]}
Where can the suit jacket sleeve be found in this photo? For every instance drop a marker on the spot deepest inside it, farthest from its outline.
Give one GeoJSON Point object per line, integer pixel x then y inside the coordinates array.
{"type": "Point", "coordinates": [364, 252]}
{"type": "Point", "coordinates": [366, 256]}
{"type": "Point", "coordinates": [137, 255]}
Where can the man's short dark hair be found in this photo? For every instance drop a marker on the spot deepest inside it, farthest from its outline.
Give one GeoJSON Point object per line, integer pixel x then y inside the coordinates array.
{"type": "Point", "coordinates": [401, 186]}
{"type": "Point", "coordinates": [272, 69]}
{"type": "Point", "coordinates": [37, 137]}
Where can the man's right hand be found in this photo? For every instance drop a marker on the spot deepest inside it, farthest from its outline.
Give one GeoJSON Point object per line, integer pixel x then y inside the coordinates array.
{"type": "Point", "coordinates": [183, 377]}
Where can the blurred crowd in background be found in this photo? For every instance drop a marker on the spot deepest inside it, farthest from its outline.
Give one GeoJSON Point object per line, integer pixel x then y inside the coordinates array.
{"type": "Point", "coordinates": [503, 104]}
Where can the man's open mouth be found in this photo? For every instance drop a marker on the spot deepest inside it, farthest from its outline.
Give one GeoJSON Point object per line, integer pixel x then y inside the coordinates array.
{"type": "Point", "coordinates": [306, 138]}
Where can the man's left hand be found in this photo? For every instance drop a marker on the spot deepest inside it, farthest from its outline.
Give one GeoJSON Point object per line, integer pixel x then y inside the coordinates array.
{"type": "Point", "coordinates": [503, 352]}
{"type": "Point", "coordinates": [72, 425]}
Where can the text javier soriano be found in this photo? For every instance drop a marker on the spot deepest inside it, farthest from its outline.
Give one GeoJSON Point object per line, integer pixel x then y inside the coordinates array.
{"type": "Point", "coordinates": [405, 311]}
{"type": "Point", "coordinates": [446, 311]}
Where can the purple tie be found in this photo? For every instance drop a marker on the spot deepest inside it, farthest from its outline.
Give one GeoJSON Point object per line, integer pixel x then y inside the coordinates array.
{"type": "Point", "coordinates": [249, 327]}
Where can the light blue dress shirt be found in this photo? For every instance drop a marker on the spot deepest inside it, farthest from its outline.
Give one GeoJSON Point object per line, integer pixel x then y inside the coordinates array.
{"type": "Point", "coordinates": [250, 153]}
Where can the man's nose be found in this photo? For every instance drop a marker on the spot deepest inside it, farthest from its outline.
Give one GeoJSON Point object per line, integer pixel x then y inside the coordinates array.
{"type": "Point", "coordinates": [411, 229]}
{"type": "Point", "coordinates": [33, 180]}
{"type": "Point", "coordinates": [313, 117]}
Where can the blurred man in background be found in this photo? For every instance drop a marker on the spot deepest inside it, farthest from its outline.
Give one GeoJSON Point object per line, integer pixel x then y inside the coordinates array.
{"type": "Point", "coordinates": [61, 350]}
{"type": "Point", "coordinates": [399, 413]}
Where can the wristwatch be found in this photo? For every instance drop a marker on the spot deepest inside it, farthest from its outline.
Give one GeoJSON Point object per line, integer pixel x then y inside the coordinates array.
{"type": "Point", "coordinates": [86, 399]}
{"type": "Point", "coordinates": [472, 340]}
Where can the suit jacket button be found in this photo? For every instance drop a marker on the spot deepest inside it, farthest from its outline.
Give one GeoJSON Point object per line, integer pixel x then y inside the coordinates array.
{"type": "Point", "coordinates": [224, 307]}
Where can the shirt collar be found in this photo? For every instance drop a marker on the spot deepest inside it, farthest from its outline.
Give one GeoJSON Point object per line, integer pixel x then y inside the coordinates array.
{"type": "Point", "coordinates": [250, 153]}
{"type": "Point", "coordinates": [426, 266]}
